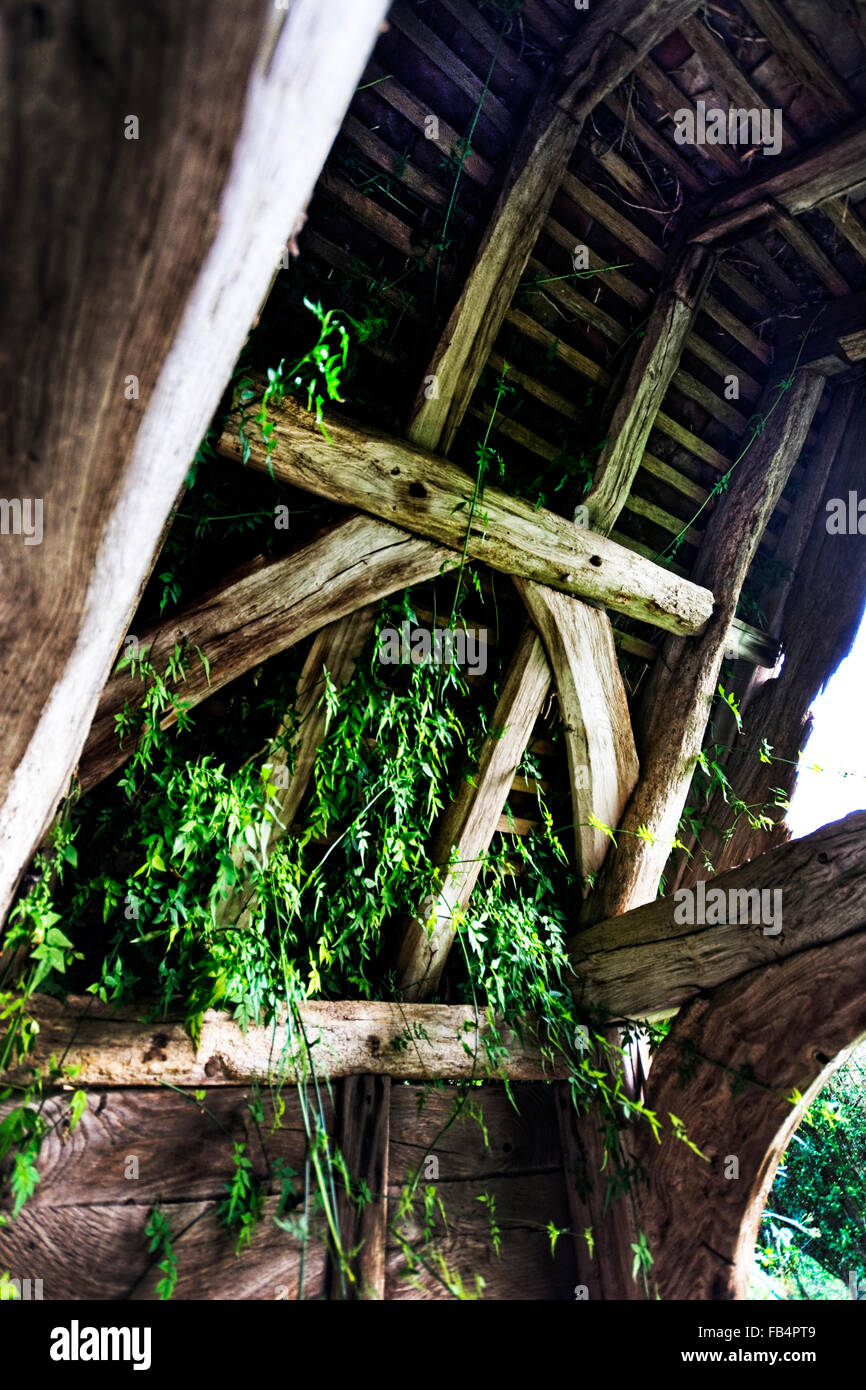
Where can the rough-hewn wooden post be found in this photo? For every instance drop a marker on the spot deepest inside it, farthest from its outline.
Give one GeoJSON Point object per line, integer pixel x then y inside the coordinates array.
{"type": "Point", "coordinates": [168, 153]}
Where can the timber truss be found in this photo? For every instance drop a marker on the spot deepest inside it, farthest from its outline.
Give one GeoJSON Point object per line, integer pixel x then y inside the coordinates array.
{"type": "Point", "coordinates": [408, 517]}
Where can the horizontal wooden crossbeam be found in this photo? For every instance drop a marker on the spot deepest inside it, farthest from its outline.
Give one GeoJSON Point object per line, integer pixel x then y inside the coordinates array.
{"type": "Point", "coordinates": [415, 1042]}
{"type": "Point", "coordinates": [432, 497]}
{"type": "Point", "coordinates": [649, 961]}
{"type": "Point", "coordinates": [262, 608]}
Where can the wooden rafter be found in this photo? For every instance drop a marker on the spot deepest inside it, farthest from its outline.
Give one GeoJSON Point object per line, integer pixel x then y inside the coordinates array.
{"type": "Point", "coordinates": [589, 71]}
{"type": "Point", "coordinates": [653, 368]}
{"type": "Point", "coordinates": [260, 610]}
{"type": "Point", "coordinates": [469, 825]}
{"type": "Point", "coordinates": [602, 762]}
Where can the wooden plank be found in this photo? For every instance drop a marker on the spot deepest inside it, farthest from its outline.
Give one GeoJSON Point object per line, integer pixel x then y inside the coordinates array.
{"type": "Point", "coordinates": [645, 135]}
{"type": "Point", "coordinates": [602, 762]}
{"type": "Point", "coordinates": [639, 193]}
{"type": "Point", "coordinates": [800, 57]}
{"type": "Point", "coordinates": [363, 1139]}
{"type": "Point", "coordinates": [652, 370]}
{"type": "Point", "coordinates": [211, 213]}
{"type": "Point", "coordinates": [612, 280]}
{"type": "Point", "coordinates": [750, 388]}
{"type": "Point", "coordinates": [523, 1269]}
{"type": "Point", "coordinates": [562, 289]}
{"type": "Point", "coordinates": [639, 506]}
{"type": "Point", "coordinates": [367, 213]}
{"type": "Point", "coordinates": [714, 405]}
{"type": "Point", "coordinates": [537, 333]}
{"type": "Point", "coordinates": [487, 37]}
{"type": "Point", "coordinates": [419, 1042]}
{"type": "Point", "coordinates": [259, 610]}
{"type": "Point", "coordinates": [538, 165]}
{"type": "Point", "coordinates": [648, 962]}
{"type": "Point", "coordinates": [666, 474]}
{"type": "Point", "coordinates": [100, 1253]}
{"type": "Point", "coordinates": [396, 165]}
{"type": "Point", "coordinates": [731, 324]}
{"type": "Point", "coordinates": [471, 821]}
{"type": "Point", "coordinates": [386, 86]}
{"type": "Point", "coordinates": [633, 239]}
{"type": "Point", "coordinates": [745, 290]}
{"type": "Point", "coordinates": [769, 266]}
{"type": "Point", "coordinates": [665, 424]}
{"type": "Point", "coordinates": [183, 1149]}
{"type": "Point", "coordinates": [683, 683]}
{"type": "Point", "coordinates": [452, 67]}
{"type": "Point", "coordinates": [433, 497]}
{"type": "Point", "coordinates": [752, 1046]}
{"type": "Point", "coordinates": [335, 649]}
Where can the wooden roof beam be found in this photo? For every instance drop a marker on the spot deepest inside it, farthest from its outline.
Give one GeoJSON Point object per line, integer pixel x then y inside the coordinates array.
{"type": "Point", "coordinates": [829, 336]}
{"type": "Point", "coordinates": [433, 498]}
{"type": "Point", "coordinates": [259, 610]}
{"type": "Point", "coordinates": [472, 820]}
{"type": "Point", "coordinates": [113, 1048]}
{"type": "Point", "coordinates": [833, 169]}
{"type": "Point", "coordinates": [682, 684]}
{"type": "Point", "coordinates": [655, 363]}
{"type": "Point", "coordinates": [592, 67]}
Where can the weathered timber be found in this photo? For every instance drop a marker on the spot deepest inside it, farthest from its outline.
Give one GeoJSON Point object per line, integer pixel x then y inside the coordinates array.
{"type": "Point", "coordinates": [412, 1041]}
{"type": "Point", "coordinates": [363, 1139]}
{"type": "Point", "coordinates": [432, 497]}
{"type": "Point", "coordinates": [592, 68]}
{"type": "Point", "coordinates": [647, 963]}
{"type": "Point", "coordinates": [800, 57]}
{"type": "Point", "coordinates": [602, 762]}
{"type": "Point", "coordinates": [835, 169]}
{"type": "Point", "coordinates": [815, 333]}
{"type": "Point", "coordinates": [335, 649]}
{"type": "Point", "coordinates": [471, 821]}
{"type": "Point", "coordinates": [821, 609]}
{"type": "Point", "coordinates": [135, 259]}
{"type": "Point", "coordinates": [261, 609]}
{"type": "Point", "coordinates": [780, 1029]}
{"type": "Point", "coordinates": [810, 253]}
{"type": "Point", "coordinates": [682, 684]}
{"type": "Point", "coordinates": [83, 1231]}
{"type": "Point", "coordinates": [652, 370]}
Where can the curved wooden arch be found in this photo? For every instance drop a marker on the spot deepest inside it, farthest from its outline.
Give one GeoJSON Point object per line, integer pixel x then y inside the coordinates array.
{"type": "Point", "coordinates": [727, 1070]}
